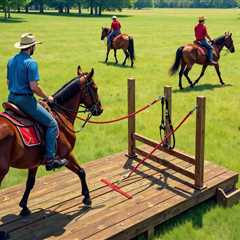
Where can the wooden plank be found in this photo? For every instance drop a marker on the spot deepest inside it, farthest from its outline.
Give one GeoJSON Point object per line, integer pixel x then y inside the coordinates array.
{"type": "Point", "coordinates": [131, 120]}
{"type": "Point", "coordinates": [162, 212]}
{"type": "Point", "coordinates": [200, 141]}
{"type": "Point", "coordinates": [172, 152]}
{"type": "Point", "coordinates": [166, 163]}
{"type": "Point", "coordinates": [103, 193]}
{"type": "Point", "coordinates": [117, 214]}
{"type": "Point", "coordinates": [168, 96]}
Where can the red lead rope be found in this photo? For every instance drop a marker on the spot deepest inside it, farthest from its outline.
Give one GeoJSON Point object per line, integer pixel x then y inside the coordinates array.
{"type": "Point", "coordinates": [121, 118]}
{"type": "Point", "coordinates": [116, 188]}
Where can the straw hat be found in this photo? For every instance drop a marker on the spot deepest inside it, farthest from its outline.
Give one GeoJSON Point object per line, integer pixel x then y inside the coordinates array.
{"type": "Point", "coordinates": [27, 40]}
{"type": "Point", "coordinates": [114, 17]}
{"type": "Point", "coordinates": [202, 18]}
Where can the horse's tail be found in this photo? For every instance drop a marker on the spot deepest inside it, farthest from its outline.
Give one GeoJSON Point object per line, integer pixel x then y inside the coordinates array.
{"type": "Point", "coordinates": [131, 48]}
{"type": "Point", "coordinates": [177, 62]}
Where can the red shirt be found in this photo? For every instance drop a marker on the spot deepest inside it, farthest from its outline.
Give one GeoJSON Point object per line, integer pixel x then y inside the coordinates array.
{"type": "Point", "coordinates": [116, 25]}
{"type": "Point", "coordinates": [200, 31]}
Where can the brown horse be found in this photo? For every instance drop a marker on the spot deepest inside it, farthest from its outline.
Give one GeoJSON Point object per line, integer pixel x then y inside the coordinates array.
{"type": "Point", "coordinates": [80, 91]}
{"type": "Point", "coordinates": [190, 54]}
{"type": "Point", "coordinates": [122, 41]}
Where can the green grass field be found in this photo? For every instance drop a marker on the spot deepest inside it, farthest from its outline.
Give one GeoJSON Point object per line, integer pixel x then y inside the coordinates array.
{"type": "Point", "coordinates": [69, 41]}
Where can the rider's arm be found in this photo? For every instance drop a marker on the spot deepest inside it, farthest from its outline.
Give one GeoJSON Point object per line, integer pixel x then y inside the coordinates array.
{"type": "Point", "coordinates": [207, 36]}
{"type": "Point", "coordinates": [33, 77]}
{"type": "Point", "coordinates": [35, 87]}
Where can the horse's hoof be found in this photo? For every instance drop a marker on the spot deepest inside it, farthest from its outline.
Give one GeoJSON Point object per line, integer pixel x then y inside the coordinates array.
{"type": "Point", "coordinates": [4, 235]}
{"type": "Point", "coordinates": [87, 201]}
{"type": "Point", "coordinates": [25, 212]}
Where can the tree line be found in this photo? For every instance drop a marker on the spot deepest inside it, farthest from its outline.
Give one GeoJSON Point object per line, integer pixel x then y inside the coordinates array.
{"type": "Point", "coordinates": [96, 7]}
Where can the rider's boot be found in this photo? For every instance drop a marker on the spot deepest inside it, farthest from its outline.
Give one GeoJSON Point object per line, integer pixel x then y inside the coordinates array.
{"type": "Point", "coordinates": [52, 164]}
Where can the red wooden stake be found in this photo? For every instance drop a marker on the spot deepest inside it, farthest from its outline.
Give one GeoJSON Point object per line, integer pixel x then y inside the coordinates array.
{"type": "Point", "coordinates": [116, 188]}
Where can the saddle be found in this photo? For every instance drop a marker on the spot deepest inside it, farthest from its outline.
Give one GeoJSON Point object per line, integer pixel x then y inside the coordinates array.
{"type": "Point", "coordinates": [201, 49]}
{"type": "Point", "coordinates": [30, 131]}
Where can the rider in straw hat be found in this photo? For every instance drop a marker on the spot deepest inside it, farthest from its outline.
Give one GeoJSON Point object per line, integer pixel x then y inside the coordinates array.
{"type": "Point", "coordinates": [115, 29]}
{"type": "Point", "coordinates": [23, 77]}
{"type": "Point", "coordinates": [201, 35]}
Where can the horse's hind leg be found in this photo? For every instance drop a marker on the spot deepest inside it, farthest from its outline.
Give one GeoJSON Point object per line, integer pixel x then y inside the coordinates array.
{"type": "Point", "coordinates": [183, 66]}
{"type": "Point", "coordinates": [115, 55]}
{"type": "Point", "coordinates": [201, 75]}
{"type": "Point", "coordinates": [126, 57]}
{"type": "Point", "coordinates": [29, 186]}
{"type": "Point", "coordinates": [186, 71]}
{"type": "Point", "coordinates": [74, 167]}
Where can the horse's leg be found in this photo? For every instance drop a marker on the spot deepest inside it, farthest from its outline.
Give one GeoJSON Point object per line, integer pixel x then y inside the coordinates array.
{"type": "Point", "coordinates": [186, 71]}
{"type": "Point", "coordinates": [74, 167]}
{"type": "Point", "coordinates": [115, 55]}
{"type": "Point", "coordinates": [201, 75]}
{"type": "Point", "coordinates": [126, 57]}
{"type": "Point", "coordinates": [29, 186]}
{"type": "Point", "coordinates": [219, 73]}
{"type": "Point", "coordinates": [108, 50]}
{"type": "Point", "coordinates": [183, 66]}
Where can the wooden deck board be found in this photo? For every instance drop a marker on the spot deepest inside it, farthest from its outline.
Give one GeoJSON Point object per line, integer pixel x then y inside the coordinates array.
{"type": "Point", "coordinates": [58, 212]}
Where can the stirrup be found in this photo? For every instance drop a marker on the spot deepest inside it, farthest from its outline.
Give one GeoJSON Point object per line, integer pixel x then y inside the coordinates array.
{"type": "Point", "coordinates": [56, 163]}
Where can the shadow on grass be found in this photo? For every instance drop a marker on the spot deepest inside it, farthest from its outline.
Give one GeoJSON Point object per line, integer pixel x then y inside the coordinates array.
{"type": "Point", "coordinates": [194, 215]}
{"type": "Point", "coordinates": [119, 65]}
{"type": "Point", "coordinates": [83, 15]}
{"type": "Point", "coordinates": [202, 87]}
{"type": "Point", "coordinates": [12, 20]}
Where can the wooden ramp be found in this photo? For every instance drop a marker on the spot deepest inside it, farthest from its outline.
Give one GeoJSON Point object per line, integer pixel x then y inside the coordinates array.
{"type": "Point", "coordinates": [158, 195]}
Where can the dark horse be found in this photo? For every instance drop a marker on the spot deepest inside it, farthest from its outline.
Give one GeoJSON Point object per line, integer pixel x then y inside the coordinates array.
{"type": "Point", "coordinates": [190, 54]}
{"type": "Point", "coordinates": [80, 91]}
{"type": "Point", "coordinates": [122, 41]}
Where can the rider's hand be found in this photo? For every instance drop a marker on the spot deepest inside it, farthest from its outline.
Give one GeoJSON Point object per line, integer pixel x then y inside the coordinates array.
{"type": "Point", "coordinates": [50, 99]}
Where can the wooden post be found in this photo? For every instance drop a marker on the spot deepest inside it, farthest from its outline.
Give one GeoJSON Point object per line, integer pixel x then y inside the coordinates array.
{"type": "Point", "coordinates": [168, 96]}
{"type": "Point", "coordinates": [199, 147]}
{"type": "Point", "coordinates": [131, 120]}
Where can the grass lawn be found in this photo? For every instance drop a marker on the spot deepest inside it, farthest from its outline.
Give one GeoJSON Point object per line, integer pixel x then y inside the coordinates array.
{"type": "Point", "coordinates": [69, 41]}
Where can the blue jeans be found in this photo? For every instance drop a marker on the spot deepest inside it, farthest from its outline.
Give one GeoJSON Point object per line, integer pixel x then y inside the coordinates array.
{"type": "Point", "coordinates": [209, 48]}
{"type": "Point", "coordinates": [111, 36]}
{"type": "Point", "coordinates": [30, 106]}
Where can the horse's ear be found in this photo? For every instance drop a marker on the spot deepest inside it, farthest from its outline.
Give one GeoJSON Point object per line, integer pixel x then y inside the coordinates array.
{"type": "Point", "coordinates": [90, 75]}
{"type": "Point", "coordinates": [230, 34]}
{"type": "Point", "coordinates": [79, 70]}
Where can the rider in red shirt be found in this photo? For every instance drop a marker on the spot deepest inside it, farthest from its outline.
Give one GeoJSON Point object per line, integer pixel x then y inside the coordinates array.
{"type": "Point", "coordinates": [201, 35]}
{"type": "Point", "coordinates": [115, 30]}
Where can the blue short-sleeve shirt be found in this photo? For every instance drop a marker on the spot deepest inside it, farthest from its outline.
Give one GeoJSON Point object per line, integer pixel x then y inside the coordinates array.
{"type": "Point", "coordinates": [21, 70]}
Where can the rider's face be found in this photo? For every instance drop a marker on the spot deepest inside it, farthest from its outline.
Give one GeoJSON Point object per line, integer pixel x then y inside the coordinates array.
{"type": "Point", "coordinates": [32, 50]}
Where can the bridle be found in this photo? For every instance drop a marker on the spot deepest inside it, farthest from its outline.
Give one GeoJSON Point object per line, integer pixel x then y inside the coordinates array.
{"type": "Point", "coordinates": [87, 91]}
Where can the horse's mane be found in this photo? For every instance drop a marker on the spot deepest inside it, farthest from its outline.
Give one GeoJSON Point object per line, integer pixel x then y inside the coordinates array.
{"type": "Point", "coordinates": [67, 91]}
{"type": "Point", "coordinates": [219, 40]}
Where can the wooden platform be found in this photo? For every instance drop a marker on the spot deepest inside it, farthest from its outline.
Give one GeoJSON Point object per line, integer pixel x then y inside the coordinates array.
{"type": "Point", "coordinates": [159, 194]}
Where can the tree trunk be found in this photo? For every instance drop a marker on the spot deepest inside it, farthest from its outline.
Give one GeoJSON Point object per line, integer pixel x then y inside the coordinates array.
{"type": "Point", "coordinates": [91, 7]}
{"type": "Point", "coordinates": [96, 10]}
{"type": "Point", "coordinates": [100, 10]}
{"type": "Point", "coordinates": [18, 9]}
{"type": "Point", "coordinates": [60, 9]}
{"type": "Point", "coordinates": [79, 8]}
{"type": "Point", "coordinates": [26, 9]}
{"type": "Point", "coordinates": [41, 8]}
{"type": "Point", "coordinates": [5, 12]}
{"type": "Point", "coordinates": [8, 12]}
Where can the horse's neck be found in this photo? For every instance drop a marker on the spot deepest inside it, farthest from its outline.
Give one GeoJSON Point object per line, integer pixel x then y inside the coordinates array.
{"type": "Point", "coordinates": [72, 105]}
{"type": "Point", "coordinates": [218, 48]}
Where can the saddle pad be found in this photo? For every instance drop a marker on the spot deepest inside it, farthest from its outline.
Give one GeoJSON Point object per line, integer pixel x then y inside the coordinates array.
{"type": "Point", "coordinates": [29, 134]}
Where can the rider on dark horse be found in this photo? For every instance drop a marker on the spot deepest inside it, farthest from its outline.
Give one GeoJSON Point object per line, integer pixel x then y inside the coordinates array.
{"type": "Point", "coordinates": [22, 78]}
{"type": "Point", "coordinates": [115, 30]}
{"type": "Point", "coordinates": [201, 35]}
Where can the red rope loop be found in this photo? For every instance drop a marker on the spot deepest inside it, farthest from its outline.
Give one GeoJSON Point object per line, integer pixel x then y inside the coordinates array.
{"type": "Point", "coordinates": [123, 117]}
